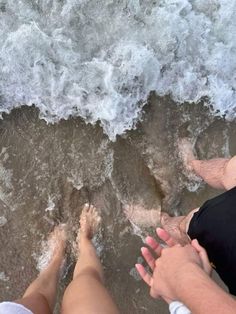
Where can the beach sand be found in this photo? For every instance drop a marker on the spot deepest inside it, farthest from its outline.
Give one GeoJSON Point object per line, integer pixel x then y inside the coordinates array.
{"type": "Point", "coordinates": [47, 173]}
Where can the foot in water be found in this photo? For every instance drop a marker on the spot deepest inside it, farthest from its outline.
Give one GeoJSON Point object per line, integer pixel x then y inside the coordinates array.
{"type": "Point", "coordinates": [53, 250]}
{"type": "Point", "coordinates": [89, 222]}
{"type": "Point", "coordinates": [142, 217]}
{"type": "Point", "coordinates": [176, 227]}
{"type": "Point", "coordinates": [187, 155]}
{"type": "Point", "coordinates": [186, 152]}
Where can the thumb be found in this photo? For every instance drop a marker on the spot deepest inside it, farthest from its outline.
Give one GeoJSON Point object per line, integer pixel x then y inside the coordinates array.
{"type": "Point", "coordinates": [203, 256]}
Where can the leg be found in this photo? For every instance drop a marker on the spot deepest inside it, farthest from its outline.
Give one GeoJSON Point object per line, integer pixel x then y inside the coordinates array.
{"type": "Point", "coordinates": [86, 293]}
{"type": "Point", "coordinates": [219, 173]}
{"type": "Point", "coordinates": [40, 296]}
{"type": "Point", "coordinates": [177, 227]}
{"type": "Point", "coordinates": [142, 217]}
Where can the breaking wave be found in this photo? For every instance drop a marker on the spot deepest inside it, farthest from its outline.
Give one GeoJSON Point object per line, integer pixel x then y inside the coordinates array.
{"type": "Point", "coordinates": [100, 59]}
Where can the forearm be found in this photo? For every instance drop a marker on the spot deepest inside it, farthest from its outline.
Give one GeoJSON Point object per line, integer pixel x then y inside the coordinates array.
{"type": "Point", "coordinates": [201, 294]}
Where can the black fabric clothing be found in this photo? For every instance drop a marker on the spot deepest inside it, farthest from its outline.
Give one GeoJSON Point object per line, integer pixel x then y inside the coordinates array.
{"type": "Point", "coordinates": [214, 226]}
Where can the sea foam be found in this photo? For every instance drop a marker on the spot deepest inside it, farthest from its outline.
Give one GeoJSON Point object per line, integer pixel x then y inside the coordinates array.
{"type": "Point", "coordinates": [100, 59]}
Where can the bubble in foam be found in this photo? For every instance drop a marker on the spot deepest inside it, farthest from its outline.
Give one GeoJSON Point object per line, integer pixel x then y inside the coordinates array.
{"type": "Point", "coordinates": [3, 221]}
{"type": "Point", "coordinates": [98, 243]}
{"type": "Point", "coordinates": [51, 205]}
{"type": "Point", "coordinates": [4, 277]}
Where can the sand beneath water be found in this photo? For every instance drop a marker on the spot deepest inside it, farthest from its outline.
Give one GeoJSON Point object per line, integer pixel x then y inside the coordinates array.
{"type": "Point", "coordinates": [47, 173]}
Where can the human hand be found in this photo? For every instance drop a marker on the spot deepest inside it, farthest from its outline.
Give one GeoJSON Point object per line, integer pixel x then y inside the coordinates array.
{"type": "Point", "coordinates": [149, 258]}
{"type": "Point", "coordinates": [170, 241]}
{"type": "Point", "coordinates": [206, 265]}
{"type": "Point", "coordinates": [157, 248]}
{"type": "Point", "coordinates": [174, 264]}
{"type": "Point", "coordinates": [202, 258]}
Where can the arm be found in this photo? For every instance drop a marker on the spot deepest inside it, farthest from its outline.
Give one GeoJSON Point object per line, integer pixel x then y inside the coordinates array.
{"type": "Point", "coordinates": [201, 294]}
{"type": "Point", "coordinates": [182, 273]}
{"type": "Point", "coordinates": [179, 275]}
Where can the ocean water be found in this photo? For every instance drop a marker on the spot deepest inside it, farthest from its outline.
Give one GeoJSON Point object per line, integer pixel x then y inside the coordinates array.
{"type": "Point", "coordinates": [48, 171]}
{"type": "Point", "coordinates": [89, 67]}
{"type": "Point", "coordinates": [100, 59]}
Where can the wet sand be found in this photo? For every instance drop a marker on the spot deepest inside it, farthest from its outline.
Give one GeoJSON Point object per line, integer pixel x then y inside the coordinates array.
{"type": "Point", "coordinates": [47, 172]}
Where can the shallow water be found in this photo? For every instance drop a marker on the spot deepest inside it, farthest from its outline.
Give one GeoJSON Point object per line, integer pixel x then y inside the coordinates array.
{"type": "Point", "coordinates": [90, 67]}
{"type": "Point", "coordinates": [47, 172]}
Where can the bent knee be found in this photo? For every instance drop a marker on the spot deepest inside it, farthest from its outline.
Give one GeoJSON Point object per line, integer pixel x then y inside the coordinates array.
{"type": "Point", "coordinates": [89, 272]}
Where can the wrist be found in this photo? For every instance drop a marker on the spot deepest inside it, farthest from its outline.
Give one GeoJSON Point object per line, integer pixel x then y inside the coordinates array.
{"type": "Point", "coordinates": [186, 275]}
{"type": "Point", "coordinates": [199, 292]}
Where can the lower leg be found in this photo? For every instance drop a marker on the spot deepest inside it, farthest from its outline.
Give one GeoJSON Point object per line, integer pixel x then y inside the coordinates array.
{"type": "Point", "coordinates": [142, 217]}
{"type": "Point", "coordinates": [177, 227]}
{"type": "Point", "coordinates": [218, 173]}
{"type": "Point", "coordinates": [88, 261]}
{"type": "Point", "coordinates": [86, 293]}
{"type": "Point", "coordinates": [211, 171]}
{"type": "Point", "coordinates": [40, 296]}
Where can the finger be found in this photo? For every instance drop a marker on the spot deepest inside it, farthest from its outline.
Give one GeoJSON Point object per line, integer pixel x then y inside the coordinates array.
{"type": "Point", "coordinates": [166, 237]}
{"type": "Point", "coordinates": [154, 245]}
{"type": "Point", "coordinates": [203, 256]}
{"type": "Point", "coordinates": [144, 274]}
{"type": "Point", "coordinates": [148, 257]}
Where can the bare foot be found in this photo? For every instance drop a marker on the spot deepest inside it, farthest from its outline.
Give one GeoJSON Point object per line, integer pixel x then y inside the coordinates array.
{"type": "Point", "coordinates": [175, 226]}
{"type": "Point", "coordinates": [53, 249]}
{"type": "Point", "coordinates": [142, 217]}
{"type": "Point", "coordinates": [89, 221]}
{"type": "Point", "coordinates": [186, 151]}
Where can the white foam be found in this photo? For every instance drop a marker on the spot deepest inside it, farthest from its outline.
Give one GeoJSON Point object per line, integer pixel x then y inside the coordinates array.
{"type": "Point", "coordinates": [3, 276]}
{"type": "Point", "coordinates": [6, 187]}
{"type": "Point", "coordinates": [100, 60]}
{"type": "Point", "coordinates": [44, 258]}
{"type": "Point", "coordinates": [3, 221]}
{"type": "Point", "coordinates": [51, 205]}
